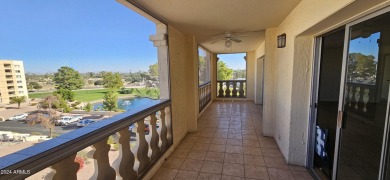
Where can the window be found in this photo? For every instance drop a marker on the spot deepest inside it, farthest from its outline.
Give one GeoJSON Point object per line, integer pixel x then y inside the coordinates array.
{"type": "Point", "coordinates": [17, 71]}
{"type": "Point", "coordinates": [19, 82]}
{"type": "Point", "coordinates": [21, 92]}
{"type": "Point", "coordinates": [18, 76]}
{"type": "Point", "coordinates": [17, 66]}
{"type": "Point", "coordinates": [20, 86]}
{"type": "Point", "coordinates": [204, 66]}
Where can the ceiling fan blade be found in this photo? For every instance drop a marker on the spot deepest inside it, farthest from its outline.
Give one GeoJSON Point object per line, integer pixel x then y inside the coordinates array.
{"type": "Point", "coordinates": [235, 40]}
{"type": "Point", "coordinates": [215, 41]}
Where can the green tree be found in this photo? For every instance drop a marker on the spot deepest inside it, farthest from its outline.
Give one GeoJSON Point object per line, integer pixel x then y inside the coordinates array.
{"type": "Point", "coordinates": [223, 71]}
{"type": "Point", "coordinates": [98, 83]}
{"type": "Point", "coordinates": [18, 100]}
{"type": "Point", "coordinates": [65, 94]}
{"type": "Point", "coordinates": [153, 70]}
{"type": "Point", "coordinates": [34, 85]}
{"type": "Point", "coordinates": [134, 77]}
{"type": "Point", "coordinates": [49, 102]}
{"type": "Point", "coordinates": [110, 101]}
{"type": "Point", "coordinates": [68, 78]}
{"type": "Point", "coordinates": [88, 107]}
{"type": "Point", "coordinates": [361, 67]}
{"type": "Point", "coordinates": [203, 74]}
{"type": "Point", "coordinates": [112, 80]}
{"type": "Point", "coordinates": [239, 73]}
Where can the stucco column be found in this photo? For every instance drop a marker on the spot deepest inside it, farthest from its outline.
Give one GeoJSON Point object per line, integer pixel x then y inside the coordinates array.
{"type": "Point", "coordinates": [213, 67]}
{"type": "Point", "coordinates": [269, 78]}
{"type": "Point", "coordinates": [160, 41]}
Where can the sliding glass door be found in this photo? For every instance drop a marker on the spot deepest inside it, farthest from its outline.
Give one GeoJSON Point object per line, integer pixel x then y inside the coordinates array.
{"type": "Point", "coordinates": [365, 99]}
{"type": "Point", "coordinates": [350, 138]}
{"type": "Point", "coordinates": [326, 101]}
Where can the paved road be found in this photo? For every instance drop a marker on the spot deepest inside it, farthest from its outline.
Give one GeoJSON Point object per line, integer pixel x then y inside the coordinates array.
{"type": "Point", "coordinates": [21, 127]}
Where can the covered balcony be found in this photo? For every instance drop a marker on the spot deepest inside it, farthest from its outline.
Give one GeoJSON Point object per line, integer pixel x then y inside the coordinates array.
{"type": "Point", "coordinates": [258, 128]}
{"type": "Point", "coordinates": [229, 145]}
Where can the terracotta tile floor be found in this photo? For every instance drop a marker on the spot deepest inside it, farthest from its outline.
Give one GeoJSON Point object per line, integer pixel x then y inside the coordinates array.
{"type": "Point", "coordinates": [229, 145]}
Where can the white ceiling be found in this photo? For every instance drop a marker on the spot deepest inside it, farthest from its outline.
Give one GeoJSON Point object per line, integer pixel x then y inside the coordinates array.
{"type": "Point", "coordinates": [208, 18]}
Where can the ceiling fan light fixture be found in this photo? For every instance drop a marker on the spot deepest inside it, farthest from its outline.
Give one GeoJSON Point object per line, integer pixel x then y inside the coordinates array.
{"type": "Point", "coordinates": [228, 43]}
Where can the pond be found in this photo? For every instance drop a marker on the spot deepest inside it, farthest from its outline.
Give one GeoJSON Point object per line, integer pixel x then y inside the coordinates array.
{"type": "Point", "coordinates": [127, 104]}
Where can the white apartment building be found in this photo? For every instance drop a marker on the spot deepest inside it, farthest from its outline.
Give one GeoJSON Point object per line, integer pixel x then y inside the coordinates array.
{"type": "Point", "coordinates": [12, 80]}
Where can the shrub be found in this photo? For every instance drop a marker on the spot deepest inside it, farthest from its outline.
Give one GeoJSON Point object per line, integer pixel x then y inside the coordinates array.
{"type": "Point", "coordinates": [88, 107]}
{"type": "Point", "coordinates": [98, 83]}
{"type": "Point", "coordinates": [65, 94]}
{"type": "Point", "coordinates": [125, 91]}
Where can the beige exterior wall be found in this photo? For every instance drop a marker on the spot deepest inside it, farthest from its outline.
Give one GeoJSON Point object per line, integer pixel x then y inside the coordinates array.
{"type": "Point", "coordinates": [294, 24]}
{"type": "Point", "coordinates": [259, 53]}
{"type": "Point", "coordinates": [288, 71]}
{"type": "Point", "coordinates": [250, 75]}
{"type": "Point", "coordinates": [183, 72]}
{"type": "Point", "coordinates": [17, 80]}
{"type": "Point", "coordinates": [182, 92]}
{"type": "Point", "coordinates": [269, 80]}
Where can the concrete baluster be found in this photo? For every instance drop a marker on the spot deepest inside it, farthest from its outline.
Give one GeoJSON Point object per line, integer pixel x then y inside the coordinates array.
{"type": "Point", "coordinates": [124, 164]}
{"type": "Point", "coordinates": [66, 169]}
{"type": "Point", "coordinates": [142, 146]}
{"type": "Point", "coordinates": [103, 170]}
{"type": "Point", "coordinates": [154, 140]}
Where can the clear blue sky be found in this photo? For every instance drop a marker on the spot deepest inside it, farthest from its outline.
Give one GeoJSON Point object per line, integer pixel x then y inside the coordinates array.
{"type": "Point", "coordinates": [234, 61]}
{"type": "Point", "coordinates": [366, 46]}
{"type": "Point", "coordinates": [84, 34]}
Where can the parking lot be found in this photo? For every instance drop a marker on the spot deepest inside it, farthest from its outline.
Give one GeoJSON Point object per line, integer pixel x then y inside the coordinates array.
{"type": "Point", "coordinates": [22, 127]}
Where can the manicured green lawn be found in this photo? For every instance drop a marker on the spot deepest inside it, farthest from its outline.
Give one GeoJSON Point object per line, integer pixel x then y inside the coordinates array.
{"type": "Point", "coordinates": [37, 95]}
{"type": "Point", "coordinates": [97, 94]}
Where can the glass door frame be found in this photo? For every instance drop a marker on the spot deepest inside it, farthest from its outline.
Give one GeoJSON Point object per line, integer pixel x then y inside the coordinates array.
{"type": "Point", "coordinates": [313, 105]}
{"type": "Point", "coordinates": [342, 97]}
{"type": "Point", "coordinates": [316, 68]}
{"type": "Point", "coordinates": [314, 101]}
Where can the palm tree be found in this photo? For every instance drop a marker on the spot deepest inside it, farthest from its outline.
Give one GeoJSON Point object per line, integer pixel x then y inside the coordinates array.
{"type": "Point", "coordinates": [18, 99]}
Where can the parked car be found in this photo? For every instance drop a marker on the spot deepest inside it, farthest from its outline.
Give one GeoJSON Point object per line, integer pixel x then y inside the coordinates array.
{"type": "Point", "coordinates": [85, 122]}
{"type": "Point", "coordinates": [78, 117]}
{"type": "Point", "coordinates": [65, 120]}
{"type": "Point", "coordinates": [18, 117]}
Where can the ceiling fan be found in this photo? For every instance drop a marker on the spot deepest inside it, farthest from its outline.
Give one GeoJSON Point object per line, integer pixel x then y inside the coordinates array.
{"type": "Point", "coordinates": [228, 37]}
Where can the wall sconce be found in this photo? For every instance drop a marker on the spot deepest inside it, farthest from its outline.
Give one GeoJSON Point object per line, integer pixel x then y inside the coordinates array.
{"type": "Point", "coordinates": [282, 40]}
